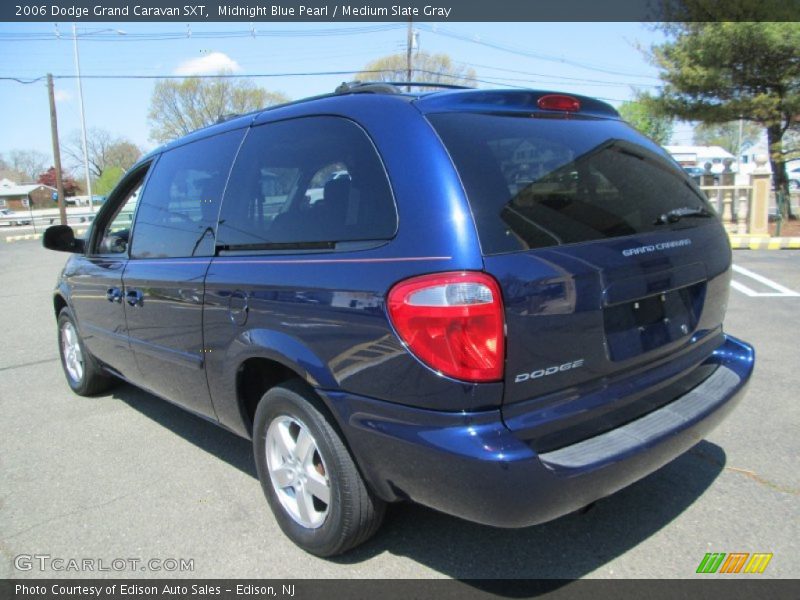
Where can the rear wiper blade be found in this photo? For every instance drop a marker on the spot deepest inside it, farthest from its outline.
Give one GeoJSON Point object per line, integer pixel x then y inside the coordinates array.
{"type": "Point", "coordinates": [676, 214]}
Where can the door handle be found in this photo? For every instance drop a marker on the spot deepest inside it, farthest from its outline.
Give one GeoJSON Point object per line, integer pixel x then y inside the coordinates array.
{"type": "Point", "coordinates": [134, 297]}
{"type": "Point", "coordinates": [114, 295]}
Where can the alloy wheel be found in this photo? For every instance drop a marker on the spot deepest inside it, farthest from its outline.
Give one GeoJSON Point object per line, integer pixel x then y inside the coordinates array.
{"type": "Point", "coordinates": [297, 471]}
{"type": "Point", "coordinates": [71, 348]}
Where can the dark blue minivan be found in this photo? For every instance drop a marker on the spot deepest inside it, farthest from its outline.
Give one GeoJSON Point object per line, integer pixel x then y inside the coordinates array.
{"type": "Point", "coordinates": [500, 304]}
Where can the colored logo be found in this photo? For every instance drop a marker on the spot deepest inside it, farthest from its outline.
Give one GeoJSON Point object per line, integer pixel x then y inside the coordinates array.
{"type": "Point", "coordinates": [735, 562]}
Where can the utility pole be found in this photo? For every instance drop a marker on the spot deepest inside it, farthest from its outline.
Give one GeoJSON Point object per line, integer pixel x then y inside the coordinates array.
{"type": "Point", "coordinates": [62, 210]}
{"type": "Point", "coordinates": [409, 44]}
{"type": "Point", "coordinates": [83, 118]}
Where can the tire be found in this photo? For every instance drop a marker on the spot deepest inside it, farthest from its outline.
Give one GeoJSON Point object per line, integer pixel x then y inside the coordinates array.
{"type": "Point", "coordinates": [84, 374]}
{"type": "Point", "coordinates": [296, 490]}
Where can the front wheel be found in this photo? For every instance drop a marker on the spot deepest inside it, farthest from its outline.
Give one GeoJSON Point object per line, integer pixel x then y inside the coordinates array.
{"type": "Point", "coordinates": [84, 374]}
{"type": "Point", "coordinates": [309, 478]}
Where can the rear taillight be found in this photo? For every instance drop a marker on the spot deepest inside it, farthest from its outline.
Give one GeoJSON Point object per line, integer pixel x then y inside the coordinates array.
{"type": "Point", "coordinates": [453, 322]}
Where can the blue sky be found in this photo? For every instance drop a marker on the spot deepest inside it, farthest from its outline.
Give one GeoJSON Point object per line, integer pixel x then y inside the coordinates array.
{"type": "Point", "coordinates": [596, 59]}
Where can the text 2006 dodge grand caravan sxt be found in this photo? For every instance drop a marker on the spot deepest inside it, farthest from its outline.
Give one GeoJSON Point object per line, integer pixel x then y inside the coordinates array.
{"type": "Point", "coordinates": [501, 304]}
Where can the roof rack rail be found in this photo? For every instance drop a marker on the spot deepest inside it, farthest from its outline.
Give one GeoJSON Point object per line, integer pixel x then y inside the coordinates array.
{"type": "Point", "coordinates": [390, 87]}
{"type": "Point", "coordinates": [227, 117]}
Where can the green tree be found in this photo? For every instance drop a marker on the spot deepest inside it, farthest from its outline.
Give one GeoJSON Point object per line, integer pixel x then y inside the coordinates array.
{"type": "Point", "coordinates": [106, 182]}
{"type": "Point", "coordinates": [425, 67]}
{"type": "Point", "coordinates": [718, 72]}
{"type": "Point", "coordinates": [180, 107]}
{"type": "Point", "coordinates": [726, 135]}
{"type": "Point", "coordinates": [640, 114]}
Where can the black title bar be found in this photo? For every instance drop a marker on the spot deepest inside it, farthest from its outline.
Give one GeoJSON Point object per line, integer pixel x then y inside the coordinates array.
{"type": "Point", "coordinates": [733, 588]}
{"type": "Point", "coordinates": [399, 10]}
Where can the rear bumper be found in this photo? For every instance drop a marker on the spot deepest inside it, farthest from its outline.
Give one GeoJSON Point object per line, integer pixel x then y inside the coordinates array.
{"type": "Point", "coordinates": [472, 466]}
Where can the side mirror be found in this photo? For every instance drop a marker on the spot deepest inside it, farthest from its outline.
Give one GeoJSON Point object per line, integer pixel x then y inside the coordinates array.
{"type": "Point", "coordinates": [62, 238]}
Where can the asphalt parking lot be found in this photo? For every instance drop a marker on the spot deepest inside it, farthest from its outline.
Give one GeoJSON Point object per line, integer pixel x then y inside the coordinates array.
{"type": "Point", "coordinates": [127, 475]}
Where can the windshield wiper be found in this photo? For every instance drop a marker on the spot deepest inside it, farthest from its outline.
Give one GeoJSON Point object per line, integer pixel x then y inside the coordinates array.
{"type": "Point", "coordinates": [676, 214]}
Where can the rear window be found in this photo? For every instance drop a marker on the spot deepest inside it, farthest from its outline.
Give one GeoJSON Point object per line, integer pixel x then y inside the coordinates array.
{"type": "Point", "coordinates": [537, 182]}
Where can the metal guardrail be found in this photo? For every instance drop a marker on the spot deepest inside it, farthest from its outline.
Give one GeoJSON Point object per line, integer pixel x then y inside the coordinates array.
{"type": "Point", "coordinates": [43, 220]}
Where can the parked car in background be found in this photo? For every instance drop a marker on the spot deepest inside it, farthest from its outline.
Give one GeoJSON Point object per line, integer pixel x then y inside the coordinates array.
{"type": "Point", "coordinates": [500, 304]}
{"type": "Point", "coordinates": [694, 172]}
{"type": "Point", "coordinates": [9, 217]}
{"type": "Point", "coordinates": [794, 179]}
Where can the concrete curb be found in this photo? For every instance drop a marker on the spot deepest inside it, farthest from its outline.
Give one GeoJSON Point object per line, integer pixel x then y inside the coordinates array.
{"type": "Point", "coordinates": [746, 242]}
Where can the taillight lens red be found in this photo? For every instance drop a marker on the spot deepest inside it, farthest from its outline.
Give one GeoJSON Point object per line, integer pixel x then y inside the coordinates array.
{"type": "Point", "coordinates": [559, 102]}
{"type": "Point", "coordinates": [453, 322]}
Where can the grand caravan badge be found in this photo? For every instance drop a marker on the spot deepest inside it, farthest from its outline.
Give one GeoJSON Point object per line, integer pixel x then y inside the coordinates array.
{"type": "Point", "coordinates": [654, 247]}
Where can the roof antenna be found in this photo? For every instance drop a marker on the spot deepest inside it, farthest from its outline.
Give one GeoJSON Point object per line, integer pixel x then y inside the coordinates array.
{"type": "Point", "coordinates": [188, 30]}
{"type": "Point", "coordinates": [58, 33]}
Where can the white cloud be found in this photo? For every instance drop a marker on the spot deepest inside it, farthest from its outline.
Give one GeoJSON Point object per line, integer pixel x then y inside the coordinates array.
{"type": "Point", "coordinates": [62, 96]}
{"type": "Point", "coordinates": [208, 64]}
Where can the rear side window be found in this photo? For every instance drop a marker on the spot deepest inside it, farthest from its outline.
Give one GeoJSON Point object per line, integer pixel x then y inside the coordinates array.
{"type": "Point", "coordinates": [308, 182]}
{"type": "Point", "coordinates": [178, 211]}
{"type": "Point", "coordinates": [535, 182]}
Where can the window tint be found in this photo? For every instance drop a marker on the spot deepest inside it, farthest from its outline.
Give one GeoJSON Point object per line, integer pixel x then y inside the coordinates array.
{"type": "Point", "coordinates": [535, 182]}
{"type": "Point", "coordinates": [306, 181]}
{"type": "Point", "coordinates": [178, 211]}
{"type": "Point", "coordinates": [116, 235]}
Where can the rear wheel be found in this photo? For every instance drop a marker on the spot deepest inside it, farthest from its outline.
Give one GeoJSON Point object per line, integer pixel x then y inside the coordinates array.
{"type": "Point", "coordinates": [309, 478]}
{"type": "Point", "coordinates": [84, 374]}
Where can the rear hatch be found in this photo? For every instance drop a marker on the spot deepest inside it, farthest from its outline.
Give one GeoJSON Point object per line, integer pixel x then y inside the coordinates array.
{"type": "Point", "coordinates": [613, 268]}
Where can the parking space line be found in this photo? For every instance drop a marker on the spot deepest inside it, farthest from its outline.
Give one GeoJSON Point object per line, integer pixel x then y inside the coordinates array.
{"type": "Point", "coordinates": [780, 290]}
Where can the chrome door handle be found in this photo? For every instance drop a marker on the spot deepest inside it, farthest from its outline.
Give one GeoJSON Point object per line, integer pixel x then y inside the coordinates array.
{"type": "Point", "coordinates": [114, 295]}
{"type": "Point", "coordinates": [134, 297]}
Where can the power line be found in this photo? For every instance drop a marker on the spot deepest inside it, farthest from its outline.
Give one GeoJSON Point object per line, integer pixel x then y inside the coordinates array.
{"type": "Point", "coordinates": [14, 36]}
{"type": "Point", "coordinates": [598, 82]}
{"type": "Point", "coordinates": [494, 79]}
{"type": "Point", "coordinates": [540, 81]}
{"type": "Point", "coordinates": [24, 81]}
{"type": "Point", "coordinates": [199, 76]}
{"type": "Point", "coordinates": [474, 39]}
{"type": "Point", "coordinates": [339, 31]}
{"type": "Point", "coordinates": [317, 32]}
{"type": "Point", "coordinates": [487, 80]}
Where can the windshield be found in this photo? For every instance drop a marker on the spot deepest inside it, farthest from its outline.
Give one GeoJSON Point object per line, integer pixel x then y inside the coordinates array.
{"type": "Point", "coordinates": [538, 182]}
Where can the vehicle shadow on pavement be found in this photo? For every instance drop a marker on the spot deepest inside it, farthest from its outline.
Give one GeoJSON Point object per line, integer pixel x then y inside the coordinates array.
{"type": "Point", "coordinates": [215, 440]}
{"type": "Point", "coordinates": [567, 548]}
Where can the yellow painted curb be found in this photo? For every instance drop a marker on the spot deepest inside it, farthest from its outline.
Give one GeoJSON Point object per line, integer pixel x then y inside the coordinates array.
{"type": "Point", "coordinates": [35, 236]}
{"type": "Point", "coordinates": [764, 243]}
{"type": "Point", "coordinates": [19, 238]}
